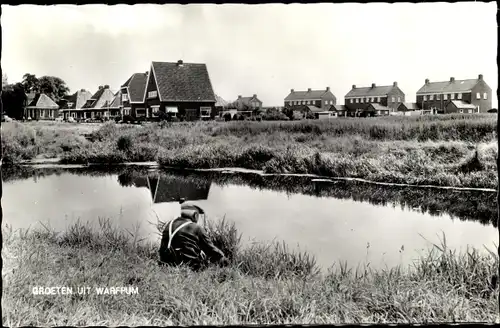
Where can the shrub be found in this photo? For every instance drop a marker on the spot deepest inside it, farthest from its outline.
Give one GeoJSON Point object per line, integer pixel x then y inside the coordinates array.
{"type": "Point", "coordinates": [124, 143]}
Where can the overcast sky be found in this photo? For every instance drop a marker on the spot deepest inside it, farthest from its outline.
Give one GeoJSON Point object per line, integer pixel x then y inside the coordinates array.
{"type": "Point", "coordinates": [256, 49]}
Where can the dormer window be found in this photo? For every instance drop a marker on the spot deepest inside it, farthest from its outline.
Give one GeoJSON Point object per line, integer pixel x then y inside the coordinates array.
{"type": "Point", "coordinates": [152, 94]}
{"type": "Point", "coordinates": [124, 97]}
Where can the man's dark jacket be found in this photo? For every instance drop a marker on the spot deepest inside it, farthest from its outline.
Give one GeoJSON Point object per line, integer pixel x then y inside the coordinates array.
{"type": "Point", "coordinates": [188, 244]}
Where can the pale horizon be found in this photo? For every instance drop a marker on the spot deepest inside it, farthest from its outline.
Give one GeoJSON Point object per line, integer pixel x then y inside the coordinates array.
{"type": "Point", "coordinates": [256, 49]}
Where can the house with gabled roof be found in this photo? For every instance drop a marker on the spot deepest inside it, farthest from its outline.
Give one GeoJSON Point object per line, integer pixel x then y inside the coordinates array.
{"type": "Point", "coordinates": [132, 92]}
{"type": "Point", "coordinates": [74, 103]}
{"type": "Point", "coordinates": [248, 103]}
{"type": "Point", "coordinates": [41, 107]}
{"type": "Point", "coordinates": [321, 99]}
{"type": "Point", "coordinates": [180, 89]}
{"type": "Point", "coordinates": [358, 98]}
{"type": "Point", "coordinates": [436, 95]}
{"type": "Point", "coordinates": [97, 105]}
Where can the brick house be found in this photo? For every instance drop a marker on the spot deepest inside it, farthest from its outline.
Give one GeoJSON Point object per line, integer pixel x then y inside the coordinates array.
{"type": "Point", "coordinates": [73, 104]}
{"type": "Point", "coordinates": [41, 107]}
{"type": "Point", "coordinates": [96, 106]}
{"type": "Point", "coordinates": [436, 95]}
{"type": "Point", "coordinates": [358, 99]}
{"type": "Point", "coordinates": [248, 103]}
{"type": "Point", "coordinates": [180, 89]}
{"type": "Point", "coordinates": [132, 93]}
{"type": "Point", "coordinates": [321, 99]}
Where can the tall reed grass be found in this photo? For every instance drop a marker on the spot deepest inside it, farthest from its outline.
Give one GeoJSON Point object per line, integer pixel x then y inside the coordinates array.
{"type": "Point", "coordinates": [263, 284]}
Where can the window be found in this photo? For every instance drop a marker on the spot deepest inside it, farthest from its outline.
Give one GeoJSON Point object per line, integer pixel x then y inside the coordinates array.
{"type": "Point", "coordinates": [399, 99]}
{"type": "Point", "coordinates": [140, 112]}
{"type": "Point", "coordinates": [205, 111]}
{"type": "Point", "coordinates": [155, 109]}
{"type": "Point", "coordinates": [331, 102]}
{"type": "Point", "coordinates": [485, 96]}
{"type": "Point", "coordinates": [393, 99]}
{"type": "Point", "coordinates": [459, 96]}
{"type": "Point", "coordinates": [438, 97]}
{"type": "Point", "coordinates": [124, 97]}
{"type": "Point", "coordinates": [349, 100]}
{"type": "Point", "coordinates": [153, 94]}
{"type": "Point", "coordinates": [431, 97]}
{"type": "Point", "coordinates": [425, 97]}
{"type": "Point", "coordinates": [478, 95]}
{"type": "Point", "coordinates": [470, 111]}
{"type": "Point", "coordinates": [445, 96]}
{"type": "Point", "coordinates": [461, 111]}
{"type": "Point", "coordinates": [70, 104]}
{"type": "Point", "coordinates": [452, 96]}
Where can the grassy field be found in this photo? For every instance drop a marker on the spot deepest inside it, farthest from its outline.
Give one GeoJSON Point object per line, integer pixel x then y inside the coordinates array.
{"type": "Point", "coordinates": [450, 150]}
{"type": "Point", "coordinates": [263, 284]}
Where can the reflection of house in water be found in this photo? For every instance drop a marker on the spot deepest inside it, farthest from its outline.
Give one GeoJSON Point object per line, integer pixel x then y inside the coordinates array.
{"type": "Point", "coordinates": [169, 189]}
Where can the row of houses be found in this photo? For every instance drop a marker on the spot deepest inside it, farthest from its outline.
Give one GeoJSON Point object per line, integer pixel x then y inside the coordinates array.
{"type": "Point", "coordinates": [184, 90]}
{"type": "Point", "coordinates": [453, 96]}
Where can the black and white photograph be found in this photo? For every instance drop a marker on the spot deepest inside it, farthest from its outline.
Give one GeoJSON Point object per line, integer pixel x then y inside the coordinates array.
{"type": "Point", "coordinates": [237, 164]}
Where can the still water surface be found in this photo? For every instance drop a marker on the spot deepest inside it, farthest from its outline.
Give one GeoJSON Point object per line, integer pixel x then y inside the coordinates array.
{"type": "Point", "coordinates": [341, 221]}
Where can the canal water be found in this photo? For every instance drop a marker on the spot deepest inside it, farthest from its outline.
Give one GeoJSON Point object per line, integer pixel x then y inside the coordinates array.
{"type": "Point", "coordinates": [351, 222]}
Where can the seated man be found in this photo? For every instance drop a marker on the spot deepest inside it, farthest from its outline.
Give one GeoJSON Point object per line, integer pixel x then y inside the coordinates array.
{"type": "Point", "coordinates": [183, 241]}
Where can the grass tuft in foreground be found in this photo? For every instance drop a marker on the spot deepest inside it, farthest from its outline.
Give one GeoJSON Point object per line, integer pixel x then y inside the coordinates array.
{"type": "Point", "coordinates": [273, 286]}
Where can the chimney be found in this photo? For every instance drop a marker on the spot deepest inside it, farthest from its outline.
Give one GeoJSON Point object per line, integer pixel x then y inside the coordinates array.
{"type": "Point", "coordinates": [452, 79]}
{"type": "Point", "coordinates": [100, 87]}
{"type": "Point", "coordinates": [480, 77]}
{"type": "Point", "coordinates": [180, 63]}
{"type": "Point", "coordinates": [239, 96]}
{"type": "Point", "coordinates": [83, 90]}
{"type": "Point", "coordinates": [255, 95]}
{"type": "Point", "coordinates": [354, 86]}
{"type": "Point", "coordinates": [426, 81]}
{"type": "Point", "coordinates": [373, 85]}
{"type": "Point", "coordinates": [395, 84]}
{"type": "Point", "coordinates": [327, 88]}
{"type": "Point", "coordinates": [106, 86]}
{"type": "Point", "coordinates": [309, 90]}
{"type": "Point", "coordinates": [292, 91]}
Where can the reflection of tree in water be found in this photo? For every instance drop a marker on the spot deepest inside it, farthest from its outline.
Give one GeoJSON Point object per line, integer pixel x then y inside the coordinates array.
{"type": "Point", "coordinates": [465, 205]}
{"type": "Point", "coordinates": [126, 179]}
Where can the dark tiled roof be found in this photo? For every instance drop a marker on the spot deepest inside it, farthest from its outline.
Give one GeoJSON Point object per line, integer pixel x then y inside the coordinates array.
{"type": "Point", "coordinates": [78, 99]}
{"type": "Point", "coordinates": [305, 95]}
{"type": "Point", "coordinates": [189, 82]}
{"type": "Point", "coordinates": [128, 81]}
{"type": "Point", "coordinates": [247, 100]}
{"type": "Point", "coordinates": [411, 106]}
{"type": "Point", "coordinates": [117, 102]}
{"type": "Point", "coordinates": [460, 104]}
{"type": "Point", "coordinates": [376, 91]}
{"type": "Point", "coordinates": [137, 87]}
{"type": "Point", "coordinates": [43, 101]}
{"type": "Point", "coordinates": [448, 86]}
